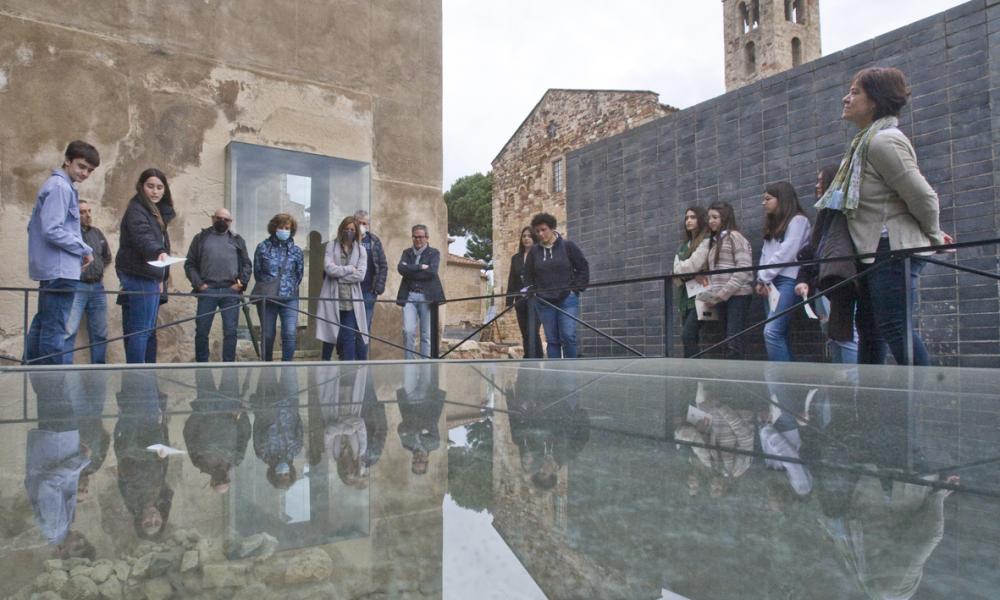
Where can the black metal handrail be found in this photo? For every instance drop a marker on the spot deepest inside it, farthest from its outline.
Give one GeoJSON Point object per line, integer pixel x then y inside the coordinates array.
{"type": "Point", "coordinates": [531, 296]}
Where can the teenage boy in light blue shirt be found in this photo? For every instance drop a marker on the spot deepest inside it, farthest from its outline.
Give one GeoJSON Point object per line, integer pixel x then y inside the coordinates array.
{"type": "Point", "coordinates": [57, 253]}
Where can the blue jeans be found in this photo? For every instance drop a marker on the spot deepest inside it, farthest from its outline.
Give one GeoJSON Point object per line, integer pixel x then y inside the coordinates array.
{"type": "Point", "coordinates": [776, 332]}
{"type": "Point", "coordinates": [47, 333]}
{"type": "Point", "coordinates": [140, 315]}
{"type": "Point", "coordinates": [228, 300]}
{"type": "Point", "coordinates": [560, 329]}
{"type": "Point", "coordinates": [882, 309]}
{"type": "Point", "coordinates": [733, 315]}
{"type": "Point", "coordinates": [347, 342]}
{"type": "Point", "coordinates": [369, 298]}
{"type": "Point", "coordinates": [268, 314]}
{"type": "Point", "coordinates": [840, 352]}
{"type": "Point", "coordinates": [415, 310]}
{"type": "Point", "coordinates": [89, 300]}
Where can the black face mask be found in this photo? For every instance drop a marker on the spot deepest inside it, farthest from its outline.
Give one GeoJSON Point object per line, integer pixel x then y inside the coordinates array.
{"type": "Point", "coordinates": [220, 226]}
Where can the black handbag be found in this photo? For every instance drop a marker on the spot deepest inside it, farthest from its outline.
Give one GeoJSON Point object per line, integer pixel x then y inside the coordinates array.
{"type": "Point", "coordinates": [269, 288]}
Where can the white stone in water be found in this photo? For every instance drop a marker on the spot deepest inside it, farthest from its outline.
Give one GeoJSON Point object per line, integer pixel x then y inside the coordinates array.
{"type": "Point", "coordinates": [312, 565]}
{"type": "Point", "coordinates": [102, 571]}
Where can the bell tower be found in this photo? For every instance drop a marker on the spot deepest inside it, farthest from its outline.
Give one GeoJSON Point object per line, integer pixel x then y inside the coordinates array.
{"type": "Point", "coordinates": [766, 37]}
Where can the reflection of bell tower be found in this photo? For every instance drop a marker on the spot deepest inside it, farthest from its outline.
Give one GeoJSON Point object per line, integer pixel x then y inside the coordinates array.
{"type": "Point", "coordinates": [766, 37]}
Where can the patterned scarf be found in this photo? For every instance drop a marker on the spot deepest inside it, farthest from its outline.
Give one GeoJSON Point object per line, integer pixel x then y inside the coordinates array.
{"type": "Point", "coordinates": [844, 193]}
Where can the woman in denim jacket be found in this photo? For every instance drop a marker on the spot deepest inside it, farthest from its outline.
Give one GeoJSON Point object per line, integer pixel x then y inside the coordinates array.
{"type": "Point", "coordinates": [279, 256]}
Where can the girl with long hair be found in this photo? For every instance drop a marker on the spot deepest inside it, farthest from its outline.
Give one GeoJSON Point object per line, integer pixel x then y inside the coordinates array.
{"type": "Point", "coordinates": [695, 232]}
{"type": "Point", "coordinates": [515, 282]}
{"type": "Point", "coordinates": [786, 231]}
{"type": "Point", "coordinates": [143, 238]}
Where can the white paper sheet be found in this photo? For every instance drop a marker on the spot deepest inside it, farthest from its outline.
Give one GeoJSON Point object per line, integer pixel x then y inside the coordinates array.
{"type": "Point", "coordinates": [171, 260]}
{"type": "Point", "coordinates": [773, 297]}
{"type": "Point", "coordinates": [164, 451]}
{"type": "Point", "coordinates": [705, 312]}
{"type": "Point", "coordinates": [694, 288]}
{"type": "Point", "coordinates": [809, 311]}
{"type": "Point", "coordinates": [695, 416]}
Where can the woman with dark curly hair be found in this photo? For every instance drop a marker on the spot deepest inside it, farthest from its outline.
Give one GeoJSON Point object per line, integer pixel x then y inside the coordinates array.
{"type": "Point", "coordinates": [278, 267]}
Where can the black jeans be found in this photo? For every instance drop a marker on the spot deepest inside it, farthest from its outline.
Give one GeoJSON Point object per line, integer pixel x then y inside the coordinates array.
{"type": "Point", "coordinates": [521, 308]}
{"type": "Point", "coordinates": [689, 332]}
{"type": "Point", "coordinates": [881, 315]}
{"type": "Point", "coordinates": [733, 316]}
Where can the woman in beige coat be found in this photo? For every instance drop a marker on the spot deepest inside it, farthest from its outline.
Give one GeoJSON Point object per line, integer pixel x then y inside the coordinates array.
{"type": "Point", "coordinates": [889, 206]}
{"type": "Point", "coordinates": [342, 304]}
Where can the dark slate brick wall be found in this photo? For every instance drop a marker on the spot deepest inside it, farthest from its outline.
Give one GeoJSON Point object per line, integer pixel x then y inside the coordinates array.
{"type": "Point", "coordinates": [626, 194]}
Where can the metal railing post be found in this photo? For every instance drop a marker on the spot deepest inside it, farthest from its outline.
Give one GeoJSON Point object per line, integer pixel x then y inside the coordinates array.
{"type": "Point", "coordinates": [435, 330]}
{"type": "Point", "coordinates": [908, 323]}
{"type": "Point", "coordinates": [24, 354]}
{"type": "Point", "coordinates": [532, 349]}
{"type": "Point", "coordinates": [668, 321]}
{"type": "Point", "coordinates": [264, 354]}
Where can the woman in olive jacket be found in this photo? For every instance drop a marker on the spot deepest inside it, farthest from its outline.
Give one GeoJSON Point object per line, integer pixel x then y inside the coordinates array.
{"type": "Point", "coordinates": [889, 206]}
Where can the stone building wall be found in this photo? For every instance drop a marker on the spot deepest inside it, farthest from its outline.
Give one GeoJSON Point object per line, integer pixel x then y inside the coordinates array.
{"type": "Point", "coordinates": [523, 183]}
{"type": "Point", "coordinates": [170, 84]}
{"type": "Point", "coordinates": [786, 127]}
{"type": "Point", "coordinates": [465, 279]}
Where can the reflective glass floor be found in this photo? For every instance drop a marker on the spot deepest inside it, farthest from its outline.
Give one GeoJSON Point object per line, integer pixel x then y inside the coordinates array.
{"type": "Point", "coordinates": [650, 478]}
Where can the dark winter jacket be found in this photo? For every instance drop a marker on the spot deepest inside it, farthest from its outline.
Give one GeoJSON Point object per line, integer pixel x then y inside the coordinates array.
{"type": "Point", "coordinates": [560, 268]}
{"type": "Point", "coordinates": [141, 240]}
{"type": "Point", "coordinates": [192, 267]}
{"type": "Point", "coordinates": [94, 272]}
{"type": "Point", "coordinates": [378, 268]}
{"type": "Point", "coordinates": [217, 428]}
{"type": "Point", "coordinates": [273, 256]}
{"type": "Point", "coordinates": [831, 238]}
{"type": "Point", "coordinates": [515, 278]}
{"type": "Point", "coordinates": [426, 280]}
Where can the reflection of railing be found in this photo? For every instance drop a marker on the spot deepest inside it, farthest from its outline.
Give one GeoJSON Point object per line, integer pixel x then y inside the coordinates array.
{"type": "Point", "coordinates": [906, 256]}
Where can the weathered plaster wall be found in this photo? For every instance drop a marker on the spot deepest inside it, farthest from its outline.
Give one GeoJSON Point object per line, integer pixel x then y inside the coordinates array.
{"type": "Point", "coordinates": [171, 84]}
{"type": "Point", "coordinates": [465, 280]}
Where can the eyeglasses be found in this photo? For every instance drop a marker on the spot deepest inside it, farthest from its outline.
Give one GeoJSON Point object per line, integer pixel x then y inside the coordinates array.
{"type": "Point", "coordinates": [222, 219]}
{"type": "Point", "coordinates": [420, 237]}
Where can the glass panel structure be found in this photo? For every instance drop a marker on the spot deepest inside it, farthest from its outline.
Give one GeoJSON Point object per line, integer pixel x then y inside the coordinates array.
{"type": "Point", "coordinates": [622, 478]}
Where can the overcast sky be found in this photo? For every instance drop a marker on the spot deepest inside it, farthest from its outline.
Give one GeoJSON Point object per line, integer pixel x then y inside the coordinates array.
{"type": "Point", "coordinates": [500, 57]}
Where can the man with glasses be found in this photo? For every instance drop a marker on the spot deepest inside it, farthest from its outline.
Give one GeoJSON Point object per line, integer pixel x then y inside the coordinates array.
{"type": "Point", "coordinates": [219, 268]}
{"type": "Point", "coordinates": [421, 285]}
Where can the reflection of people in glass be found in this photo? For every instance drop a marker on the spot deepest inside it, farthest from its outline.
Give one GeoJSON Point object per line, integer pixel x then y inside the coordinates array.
{"type": "Point", "coordinates": [278, 436]}
{"type": "Point", "coordinates": [722, 427]}
{"type": "Point", "coordinates": [218, 430]}
{"type": "Point", "coordinates": [549, 431]}
{"type": "Point", "coordinates": [884, 529]}
{"type": "Point", "coordinates": [88, 391]}
{"type": "Point", "coordinates": [421, 401]}
{"type": "Point", "coordinates": [779, 434]}
{"type": "Point", "coordinates": [54, 461]}
{"type": "Point", "coordinates": [142, 474]}
{"type": "Point", "coordinates": [345, 401]}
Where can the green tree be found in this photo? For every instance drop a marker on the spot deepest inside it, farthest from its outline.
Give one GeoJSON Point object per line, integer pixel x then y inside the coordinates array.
{"type": "Point", "coordinates": [470, 468]}
{"type": "Point", "coordinates": [470, 213]}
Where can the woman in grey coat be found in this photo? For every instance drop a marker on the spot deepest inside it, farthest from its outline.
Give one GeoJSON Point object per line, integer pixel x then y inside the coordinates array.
{"type": "Point", "coordinates": [342, 303]}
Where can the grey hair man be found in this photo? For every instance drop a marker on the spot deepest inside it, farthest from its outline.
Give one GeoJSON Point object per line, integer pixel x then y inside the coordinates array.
{"type": "Point", "coordinates": [373, 284]}
{"type": "Point", "coordinates": [421, 285]}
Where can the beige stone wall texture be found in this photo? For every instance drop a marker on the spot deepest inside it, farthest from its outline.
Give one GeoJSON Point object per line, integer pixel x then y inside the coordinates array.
{"type": "Point", "coordinates": [523, 185]}
{"type": "Point", "coordinates": [170, 84]}
{"type": "Point", "coordinates": [772, 38]}
{"type": "Point", "coordinates": [464, 280]}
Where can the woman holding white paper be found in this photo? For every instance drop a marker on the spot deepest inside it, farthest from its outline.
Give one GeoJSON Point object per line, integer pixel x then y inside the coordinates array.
{"type": "Point", "coordinates": [695, 229]}
{"type": "Point", "coordinates": [143, 238]}
{"type": "Point", "coordinates": [727, 294]}
{"type": "Point", "coordinates": [786, 231]}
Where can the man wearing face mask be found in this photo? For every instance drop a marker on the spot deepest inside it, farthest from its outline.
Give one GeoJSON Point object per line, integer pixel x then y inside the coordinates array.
{"type": "Point", "coordinates": [219, 268]}
{"type": "Point", "coordinates": [374, 282]}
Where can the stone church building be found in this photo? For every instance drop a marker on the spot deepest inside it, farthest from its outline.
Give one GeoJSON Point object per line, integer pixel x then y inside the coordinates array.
{"type": "Point", "coordinates": [529, 173]}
